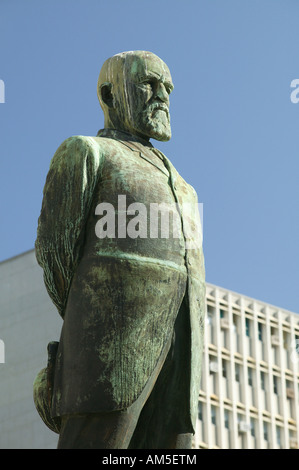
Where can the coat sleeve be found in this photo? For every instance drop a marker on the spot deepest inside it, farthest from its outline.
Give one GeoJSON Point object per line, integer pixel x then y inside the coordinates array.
{"type": "Point", "coordinates": [67, 196]}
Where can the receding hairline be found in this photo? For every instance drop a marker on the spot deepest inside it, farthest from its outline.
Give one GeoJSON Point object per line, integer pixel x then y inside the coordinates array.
{"type": "Point", "coordinates": [123, 62]}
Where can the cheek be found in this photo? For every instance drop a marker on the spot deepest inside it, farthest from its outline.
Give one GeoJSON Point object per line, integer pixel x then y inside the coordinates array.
{"type": "Point", "coordinates": [139, 97]}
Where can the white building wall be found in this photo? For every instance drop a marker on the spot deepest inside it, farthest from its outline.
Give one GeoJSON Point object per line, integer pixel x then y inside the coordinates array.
{"type": "Point", "coordinates": [28, 322]}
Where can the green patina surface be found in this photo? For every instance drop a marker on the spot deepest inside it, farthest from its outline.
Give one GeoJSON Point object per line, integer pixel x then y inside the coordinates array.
{"type": "Point", "coordinates": [119, 298]}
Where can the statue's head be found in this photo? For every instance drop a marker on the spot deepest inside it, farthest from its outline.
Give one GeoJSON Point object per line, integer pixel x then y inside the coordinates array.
{"type": "Point", "coordinates": [133, 90]}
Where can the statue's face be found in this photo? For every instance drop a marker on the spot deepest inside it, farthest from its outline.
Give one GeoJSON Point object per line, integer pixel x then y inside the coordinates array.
{"type": "Point", "coordinates": [147, 85]}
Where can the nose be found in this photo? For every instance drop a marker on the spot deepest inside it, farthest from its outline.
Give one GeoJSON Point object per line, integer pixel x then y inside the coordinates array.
{"type": "Point", "coordinates": [162, 93]}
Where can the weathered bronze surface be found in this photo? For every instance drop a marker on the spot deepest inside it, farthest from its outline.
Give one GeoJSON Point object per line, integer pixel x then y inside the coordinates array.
{"type": "Point", "coordinates": [132, 303]}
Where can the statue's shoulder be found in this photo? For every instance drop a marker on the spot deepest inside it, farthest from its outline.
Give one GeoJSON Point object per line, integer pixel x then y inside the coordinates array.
{"type": "Point", "coordinates": [193, 191]}
{"type": "Point", "coordinates": [76, 148]}
{"type": "Point", "coordinates": [95, 143]}
{"type": "Point", "coordinates": [78, 142]}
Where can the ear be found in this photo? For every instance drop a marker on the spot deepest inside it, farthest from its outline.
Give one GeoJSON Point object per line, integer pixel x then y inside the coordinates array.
{"type": "Point", "coordinates": [106, 94]}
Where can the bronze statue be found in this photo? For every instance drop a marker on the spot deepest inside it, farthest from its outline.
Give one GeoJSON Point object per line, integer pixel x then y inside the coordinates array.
{"type": "Point", "coordinates": [126, 371]}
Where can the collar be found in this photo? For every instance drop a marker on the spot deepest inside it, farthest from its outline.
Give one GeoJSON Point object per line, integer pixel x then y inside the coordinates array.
{"type": "Point", "coordinates": [126, 136]}
{"type": "Point", "coordinates": [123, 135]}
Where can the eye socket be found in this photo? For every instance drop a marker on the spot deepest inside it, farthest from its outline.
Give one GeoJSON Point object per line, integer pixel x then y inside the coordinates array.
{"type": "Point", "coordinates": [150, 82]}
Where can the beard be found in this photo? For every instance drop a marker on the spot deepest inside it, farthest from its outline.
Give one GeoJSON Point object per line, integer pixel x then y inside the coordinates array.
{"type": "Point", "coordinates": [154, 122]}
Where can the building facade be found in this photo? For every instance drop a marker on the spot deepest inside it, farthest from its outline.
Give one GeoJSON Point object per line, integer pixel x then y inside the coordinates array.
{"type": "Point", "coordinates": [249, 395]}
{"type": "Point", "coordinates": [28, 322]}
{"type": "Point", "coordinates": [250, 381]}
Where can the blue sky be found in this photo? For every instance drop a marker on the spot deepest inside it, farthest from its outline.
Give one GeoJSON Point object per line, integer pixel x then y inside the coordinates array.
{"type": "Point", "coordinates": [235, 129]}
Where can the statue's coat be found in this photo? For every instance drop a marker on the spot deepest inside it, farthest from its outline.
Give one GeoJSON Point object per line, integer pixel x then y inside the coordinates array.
{"type": "Point", "coordinates": [119, 297]}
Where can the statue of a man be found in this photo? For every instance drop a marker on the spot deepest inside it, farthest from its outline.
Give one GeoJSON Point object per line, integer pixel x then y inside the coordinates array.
{"type": "Point", "coordinates": [127, 369]}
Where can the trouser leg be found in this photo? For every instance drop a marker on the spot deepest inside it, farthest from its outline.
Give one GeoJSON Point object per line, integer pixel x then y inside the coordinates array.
{"type": "Point", "coordinates": [97, 431]}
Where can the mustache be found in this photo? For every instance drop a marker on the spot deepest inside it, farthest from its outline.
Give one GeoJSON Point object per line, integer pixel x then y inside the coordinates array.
{"type": "Point", "coordinates": [156, 106]}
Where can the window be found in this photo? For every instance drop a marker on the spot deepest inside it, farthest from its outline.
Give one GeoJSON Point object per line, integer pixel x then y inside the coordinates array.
{"type": "Point", "coordinates": [224, 368]}
{"type": "Point", "coordinates": [226, 419]}
{"type": "Point", "coordinates": [262, 380]}
{"type": "Point", "coordinates": [210, 309]}
{"type": "Point", "coordinates": [260, 331]}
{"type": "Point", "coordinates": [235, 323]}
{"type": "Point", "coordinates": [249, 376]}
{"type": "Point", "coordinates": [290, 390]}
{"type": "Point", "coordinates": [247, 327]}
{"type": "Point", "coordinates": [274, 337]}
{"type": "Point", "coordinates": [286, 339]}
{"type": "Point", "coordinates": [237, 373]}
{"type": "Point", "coordinates": [275, 384]}
{"type": "Point", "coordinates": [213, 414]}
{"type": "Point", "coordinates": [265, 430]}
{"type": "Point", "coordinates": [222, 313]}
{"type": "Point", "coordinates": [252, 427]}
{"type": "Point", "coordinates": [200, 410]}
{"type": "Point", "coordinates": [278, 436]}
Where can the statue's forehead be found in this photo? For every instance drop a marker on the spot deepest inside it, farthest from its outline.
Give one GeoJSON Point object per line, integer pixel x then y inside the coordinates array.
{"type": "Point", "coordinates": [144, 65]}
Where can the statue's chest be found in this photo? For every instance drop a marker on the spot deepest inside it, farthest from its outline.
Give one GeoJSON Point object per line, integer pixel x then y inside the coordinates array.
{"type": "Point", "coordinates": [142, 179]}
